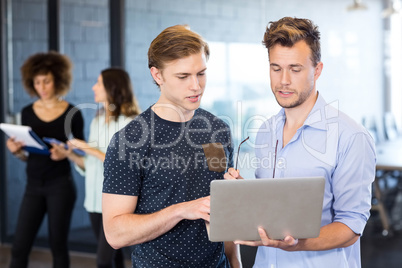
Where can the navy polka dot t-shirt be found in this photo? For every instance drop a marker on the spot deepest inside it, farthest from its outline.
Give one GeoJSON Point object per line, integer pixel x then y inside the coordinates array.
{"type": "Point", "coordinates": [163, 163]}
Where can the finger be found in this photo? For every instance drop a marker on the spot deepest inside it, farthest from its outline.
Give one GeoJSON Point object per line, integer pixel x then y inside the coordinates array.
{"type": "Point", "coordinates": [264, 237]}
{"type": "Point", "coordinates": [290, 241]}
{"type": "Point", "coordinates": [227, 176]}
{"type": "Point", "coordinates": [72, 143]}
{"type": "Point", "coordinates": [52, 154]}
{"type": "Point", "coordinates": [248, 243]}
{"type": "Point", "coordinates": [236, 173]}
{"type": "Point", "coordinates": [232, 174]}
{"type": "Point", "coordinates": [56, 147]}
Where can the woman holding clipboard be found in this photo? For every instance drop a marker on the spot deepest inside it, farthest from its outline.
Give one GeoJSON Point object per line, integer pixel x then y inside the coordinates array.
{"type": "Point", "coordinates": [50, 188]}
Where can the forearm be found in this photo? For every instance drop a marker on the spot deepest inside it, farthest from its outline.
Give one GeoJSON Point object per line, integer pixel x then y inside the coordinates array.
{"type": "Point", "coordinates": [334, 235]}
{"type": "Point", "coordinates": [78, 160]}
{"type": "Point", "coordinates": [96, 153]}
{"type": "Point", "coordinates": [123, 228]}
{"type": "Point", "coordinates": [131, 229]}
{"type": "Point", "coordinates": [232, 252]}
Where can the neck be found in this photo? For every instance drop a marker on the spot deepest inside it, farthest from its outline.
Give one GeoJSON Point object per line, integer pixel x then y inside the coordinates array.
{"type": "Point", "coordinates": [172, 113]}
{"type": "Point", "coordinates": [106, 111]}
{"type": "Point", "coordinates": [295, 117]}
{"type": "Point", "coordinates": [49, 103]}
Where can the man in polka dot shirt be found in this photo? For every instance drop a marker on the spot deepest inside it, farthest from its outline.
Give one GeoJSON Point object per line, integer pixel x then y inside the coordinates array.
{"type": "Point", "coordinates": [158, 169]}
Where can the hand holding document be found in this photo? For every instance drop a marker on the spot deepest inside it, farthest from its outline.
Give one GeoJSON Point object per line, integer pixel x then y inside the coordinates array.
{"type": "Point", "coordinates": [25, 135]}
{"type": "Point", "coordinates": [55, 141]}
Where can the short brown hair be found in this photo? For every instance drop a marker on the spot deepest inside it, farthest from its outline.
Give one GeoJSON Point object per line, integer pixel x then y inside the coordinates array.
{"type": "Point", "coordinates": [119, 92]}
{"type": "Point", "coordinates": [52, 62]}
{"type": "Point", "coordinates": [174, 43]}
{"type": "Point", "coordinates": [288, 31]}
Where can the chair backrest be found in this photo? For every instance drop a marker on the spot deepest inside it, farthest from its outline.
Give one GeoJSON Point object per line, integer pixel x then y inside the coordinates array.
{"type": "Point", "coordinates": [390, 128]}
{"type": "Point", "coordinates": [371, 125]}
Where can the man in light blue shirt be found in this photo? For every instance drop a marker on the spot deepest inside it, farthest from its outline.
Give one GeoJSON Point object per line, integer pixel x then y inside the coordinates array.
{"type": "Point", "coordinates": [309, 137]}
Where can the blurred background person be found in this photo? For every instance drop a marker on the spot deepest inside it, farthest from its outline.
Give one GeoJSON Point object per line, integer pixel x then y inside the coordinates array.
{"type": "Point", "coordinates": [114, 92]}
{"type": "Point", "coordinates": [50, 188]}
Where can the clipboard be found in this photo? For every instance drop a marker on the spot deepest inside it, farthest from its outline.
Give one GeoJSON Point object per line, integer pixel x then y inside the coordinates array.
{"type": "Point", "coordinates": [24, 134]}
{"type": "Point", "coordinates": [53, 140]}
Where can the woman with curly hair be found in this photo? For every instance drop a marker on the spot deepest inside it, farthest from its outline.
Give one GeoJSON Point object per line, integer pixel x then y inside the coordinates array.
{"type": "Point", "coordinates": [118, 106]}
{"type": "Point", "coordinates": [50, 188]}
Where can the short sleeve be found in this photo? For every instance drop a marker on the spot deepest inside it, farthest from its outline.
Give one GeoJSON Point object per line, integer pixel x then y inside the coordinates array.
{"type": "Point", "coordinates": [123, 169]}
{"type": "Point", "coordinates": [77, 126]}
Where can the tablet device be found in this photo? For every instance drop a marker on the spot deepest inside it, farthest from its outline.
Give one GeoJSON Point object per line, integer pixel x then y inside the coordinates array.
{"type": "Point", "coordinates": [56, 141]}
{"type": "Point", "coordinates": [282, 206]}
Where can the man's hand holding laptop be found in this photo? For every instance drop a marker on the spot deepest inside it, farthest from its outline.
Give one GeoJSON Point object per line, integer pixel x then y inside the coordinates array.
{"type": "Point", "coordinates": [288, 243]}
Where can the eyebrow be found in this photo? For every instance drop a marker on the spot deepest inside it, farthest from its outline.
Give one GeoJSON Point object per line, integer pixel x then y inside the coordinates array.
{"type": "Point", "coordinates": [42, 79]}
{"type": "Point", "coordinates": [203, 70]}
{"type": "Point", "coordinates": [291, 65]}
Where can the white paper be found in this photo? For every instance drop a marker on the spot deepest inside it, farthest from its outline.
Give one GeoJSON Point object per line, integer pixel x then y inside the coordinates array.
{"type": "Point", "coordinates": [21, 134]}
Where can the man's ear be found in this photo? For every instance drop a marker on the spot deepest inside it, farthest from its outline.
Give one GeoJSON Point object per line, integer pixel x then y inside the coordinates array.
{"type": "Point", "coordinates": [157, 75]}
{"type": "Point", "coordinates": [318, 70]}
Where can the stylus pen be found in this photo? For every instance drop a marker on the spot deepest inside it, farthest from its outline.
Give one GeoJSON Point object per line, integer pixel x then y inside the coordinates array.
{"type": "Point", "coordinates": [276, 150]}
{"type": "Point", "coordinates": [238, 150]}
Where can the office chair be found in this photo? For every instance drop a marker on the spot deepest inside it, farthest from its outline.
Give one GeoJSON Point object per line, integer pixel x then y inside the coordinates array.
{"type": "Point", "coordinates": [390, 128]}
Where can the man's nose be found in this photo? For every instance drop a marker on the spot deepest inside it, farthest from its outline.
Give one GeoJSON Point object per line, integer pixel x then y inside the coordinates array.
{"type": "Point", "coordinates": [195, 83]}
{"type": "Point", "coordinates": [285, 78]}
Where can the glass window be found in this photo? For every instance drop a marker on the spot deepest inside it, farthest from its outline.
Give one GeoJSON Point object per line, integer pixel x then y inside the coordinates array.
{"type": "Point", "coordinates": [238, 92]}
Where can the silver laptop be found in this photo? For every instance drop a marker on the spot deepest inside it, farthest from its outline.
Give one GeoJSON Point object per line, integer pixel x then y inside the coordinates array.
{"type": "Point", "coordinates": [282, 206]}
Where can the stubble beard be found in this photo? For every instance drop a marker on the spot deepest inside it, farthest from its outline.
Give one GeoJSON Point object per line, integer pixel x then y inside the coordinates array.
{"type": "Point", "coordinates": [301, 98]}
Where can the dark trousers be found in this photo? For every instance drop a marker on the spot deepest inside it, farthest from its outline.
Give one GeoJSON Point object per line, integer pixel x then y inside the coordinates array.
{"type": "Point", "coordinates": [55, 198]}
{"type": "Point", "coordinates": [106, 256]}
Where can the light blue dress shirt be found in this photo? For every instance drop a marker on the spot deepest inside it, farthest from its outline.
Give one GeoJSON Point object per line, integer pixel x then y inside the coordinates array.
{"type": "Point", "coordinates": [332, 145]}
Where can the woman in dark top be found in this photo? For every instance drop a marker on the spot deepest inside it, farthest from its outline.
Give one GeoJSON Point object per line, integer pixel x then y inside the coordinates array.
{"type": "Point", "coordinates": [50, 189]}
